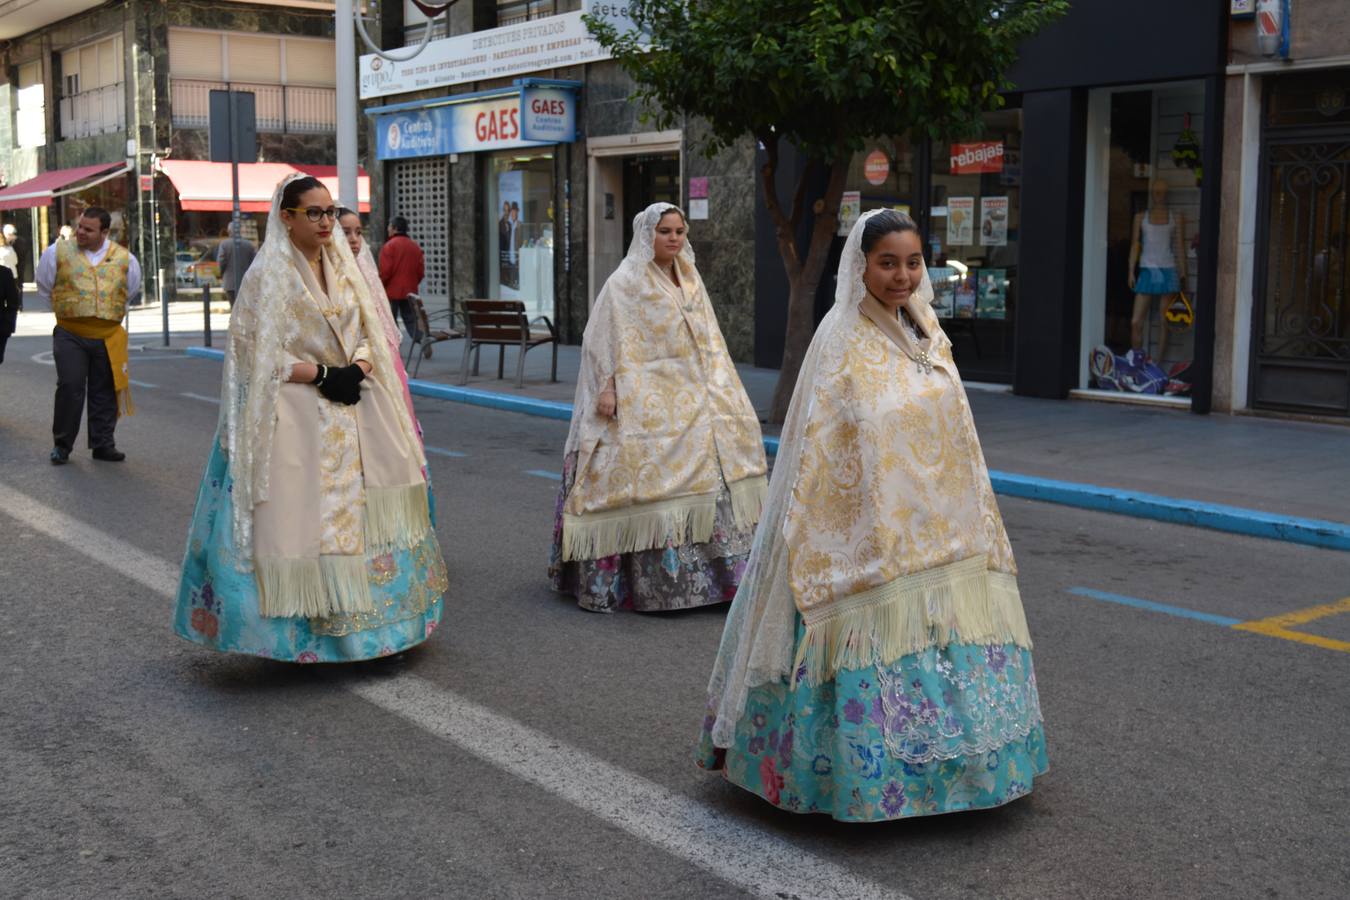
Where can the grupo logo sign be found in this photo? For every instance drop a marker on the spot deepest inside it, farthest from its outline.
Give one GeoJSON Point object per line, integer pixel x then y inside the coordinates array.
{"type": "Point", "coordinates": [977, 158]}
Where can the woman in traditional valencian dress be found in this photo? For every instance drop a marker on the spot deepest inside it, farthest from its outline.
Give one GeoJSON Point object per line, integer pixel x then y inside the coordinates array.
{"type": "Point", "coordinates": [311, 540]}
{"type": "Point", "coordinates": [352, 229]}
{"type": "Point", "coordinates": [664, 470]}
{"type": "Point", "coordinates": [876, 662]}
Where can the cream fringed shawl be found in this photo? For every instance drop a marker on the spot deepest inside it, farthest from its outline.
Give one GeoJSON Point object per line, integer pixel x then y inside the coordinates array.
{"type": "Point", "coordinates": [653, 473]}
{"type": "Point", "coordinates": [881, 528]}
{"type": "Point", "coordinates": [371, 272]}
{"type": "Point", "coordinates": [282, 316]}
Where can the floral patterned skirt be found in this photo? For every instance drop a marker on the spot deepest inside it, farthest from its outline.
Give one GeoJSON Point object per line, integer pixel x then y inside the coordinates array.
{"type": "Point", "coordinates": [218, 604]}
{"type": "Point", "coordinates": [679, 576]}
{"type": "Point", "coordinates": [943, 730]}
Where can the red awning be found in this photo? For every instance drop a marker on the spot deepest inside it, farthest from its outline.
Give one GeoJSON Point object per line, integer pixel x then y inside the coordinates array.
{"type": "Point", "coordinates": [329, 176]}
{"type": "Point", "coordinates": [41, 190]}
{"type": "Point", "coordinates": [204, 186]}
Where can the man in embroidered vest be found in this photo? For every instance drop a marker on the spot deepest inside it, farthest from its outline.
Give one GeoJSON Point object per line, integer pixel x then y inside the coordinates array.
{"type": "Point", "coordinates": [87, 281]}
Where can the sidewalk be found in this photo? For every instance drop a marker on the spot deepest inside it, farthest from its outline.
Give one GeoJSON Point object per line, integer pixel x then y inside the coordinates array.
{"type": "Point", "coordinates": [145, 323]}
{"type": "Point", "coordinates": [1282, 467]}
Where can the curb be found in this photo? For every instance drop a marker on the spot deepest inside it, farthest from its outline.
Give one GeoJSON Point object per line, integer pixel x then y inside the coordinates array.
{"type": "Point", "coordinates": [1136, 504]}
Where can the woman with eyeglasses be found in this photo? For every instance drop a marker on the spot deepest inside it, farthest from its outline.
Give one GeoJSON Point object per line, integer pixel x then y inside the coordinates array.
{"type": "Point", "coordinates": [312, 539]}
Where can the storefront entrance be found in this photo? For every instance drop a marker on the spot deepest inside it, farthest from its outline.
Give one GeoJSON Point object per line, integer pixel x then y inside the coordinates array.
{"type": "Point", "coordinates": [1301, 318]}
{"type": "Point", "coordinates": [419, 190]}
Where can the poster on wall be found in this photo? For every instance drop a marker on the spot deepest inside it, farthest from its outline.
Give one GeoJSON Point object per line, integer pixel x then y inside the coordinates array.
{"type": "Point", "coordinates": [850, 208]}
{"type": "Point", "coordinates": [991, 301]}
{"type": "Point", "coordinates": [964, 296]}
{"type": "Point", "coordinates": [960, 221]}
{"type": "Point", "coordinates": [993, 221]}
{"type": "Point", "coordinates": [944, 290]}
{"type": "Point", "coordinates": [510, 231]}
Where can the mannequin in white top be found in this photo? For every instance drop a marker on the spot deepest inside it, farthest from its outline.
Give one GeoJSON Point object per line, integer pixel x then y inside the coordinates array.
{"type": "Point", "coordinates": [1157, 249]}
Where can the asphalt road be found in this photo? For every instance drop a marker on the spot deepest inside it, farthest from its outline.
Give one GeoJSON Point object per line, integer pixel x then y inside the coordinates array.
{"type": "Point", "coordinates": [534, 750]}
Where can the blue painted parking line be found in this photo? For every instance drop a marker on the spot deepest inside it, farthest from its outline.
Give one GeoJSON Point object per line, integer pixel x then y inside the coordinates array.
{"type": "Point", "coordinates": [440, 452]}
{"type": "Point", "coordinates": [1173, 510]}
{"type": "Point", "coordinates": [1155, 607]}
{"type": "Point", "coordinates": [544, 473]}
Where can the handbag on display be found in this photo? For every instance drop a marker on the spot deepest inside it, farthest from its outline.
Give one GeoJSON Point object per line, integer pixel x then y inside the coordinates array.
{"type": "Point", "coordinates": [1180, 311]}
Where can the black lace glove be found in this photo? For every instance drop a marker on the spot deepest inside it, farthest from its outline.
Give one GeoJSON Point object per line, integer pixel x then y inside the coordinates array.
{"type": "Point", "coordinates": [341, 385]}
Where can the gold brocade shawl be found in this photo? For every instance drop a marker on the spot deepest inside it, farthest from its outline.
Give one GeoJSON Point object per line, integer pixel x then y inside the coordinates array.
{"type": "Point", "coordinates": [893, 534]}
{"type": "Point", "coordinates": [270, 430]}
{"type": "Point", "coordinates": [684, 426]}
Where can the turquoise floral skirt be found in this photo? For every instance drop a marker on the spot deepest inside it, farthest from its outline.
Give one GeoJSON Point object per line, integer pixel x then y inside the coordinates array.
{"type": "Point", "coordinates": [943, 730]}
{"type": "Point", "coordinates": [218, 604]}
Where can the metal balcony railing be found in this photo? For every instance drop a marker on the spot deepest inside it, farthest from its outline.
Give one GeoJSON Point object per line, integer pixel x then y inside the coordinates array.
{"type": "Point", "coordinates": [285, 108]}
{"type": "Point", "coordinates": [98, 111]}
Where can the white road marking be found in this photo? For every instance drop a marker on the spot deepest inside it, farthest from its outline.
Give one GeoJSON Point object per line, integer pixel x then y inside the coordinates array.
{"type": "Point", "coordinates": [759, 862]}
{"type": "Point", "coordinates": [144, 384]}
{"type": "Point", "coordinates": [440, 452]}
{"type": "Point", "coordinates": [201, 397]}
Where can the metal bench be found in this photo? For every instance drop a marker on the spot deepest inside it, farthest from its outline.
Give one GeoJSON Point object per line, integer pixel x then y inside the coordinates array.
{"type": "Point", "coordinates": [430, 335]}
{"type": "Point", "coordinates": [503, 323]}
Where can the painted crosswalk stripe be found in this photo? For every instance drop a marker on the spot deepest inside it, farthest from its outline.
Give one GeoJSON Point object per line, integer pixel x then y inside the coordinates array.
{"type": "Point", "coordinates": [758, 862]}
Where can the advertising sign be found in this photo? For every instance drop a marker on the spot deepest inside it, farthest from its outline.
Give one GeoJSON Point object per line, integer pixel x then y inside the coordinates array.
{"type": "Point", "coordinates": [876, 167]}
{"type": "Point", "coordinates": [977, 158]}
{"type": "Point", "coordinates": [960, 221]}
{"type": "Point", "coordinates": [850, 209]}
{"type": "Point", "coordinates": [548, 115]}
{"type": "Point", "coordinates": [534, 117]}
{"type": "Point", "coordinates": [549, 43]}
{"type": "Point", "coordinates": [993, 221]}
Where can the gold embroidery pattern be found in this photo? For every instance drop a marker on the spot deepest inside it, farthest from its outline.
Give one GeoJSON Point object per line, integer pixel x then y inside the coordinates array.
{"type": "Point", "coordinates": [428, 581]}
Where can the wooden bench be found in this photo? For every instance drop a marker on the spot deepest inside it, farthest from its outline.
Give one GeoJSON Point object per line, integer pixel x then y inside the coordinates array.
{"type": "Point", "coordinates": [430, 335]}
{"type": "Point", "coordinates": [503, 323]}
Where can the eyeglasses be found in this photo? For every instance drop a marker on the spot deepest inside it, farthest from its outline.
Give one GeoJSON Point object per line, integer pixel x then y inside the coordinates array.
{"type": "Point", "coordinates": [314, 213]}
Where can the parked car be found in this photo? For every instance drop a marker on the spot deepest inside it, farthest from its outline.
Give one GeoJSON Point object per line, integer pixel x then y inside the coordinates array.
{"type": "Point", "coordinates": [195, 268]}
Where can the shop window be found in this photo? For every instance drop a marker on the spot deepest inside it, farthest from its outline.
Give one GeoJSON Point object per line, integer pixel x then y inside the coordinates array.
{"type": "Point", "coordinates": [973, 233]}
{"type": "Point", "coordinates": [30, 118]}
{"type": "Point", "coordinates": [512, 12]}
{"type": "Point", "coordinates": [93, 96]}
{"type": "Point", "coordinates": [519, 227]}
{"type": "Point", "coordinates": [1142, 219]}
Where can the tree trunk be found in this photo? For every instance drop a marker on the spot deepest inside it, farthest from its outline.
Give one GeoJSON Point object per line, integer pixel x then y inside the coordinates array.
{"type": "Point", "coordinates": [803, 280]}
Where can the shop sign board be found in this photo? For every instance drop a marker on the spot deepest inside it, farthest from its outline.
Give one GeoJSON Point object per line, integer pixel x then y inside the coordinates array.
{"type": "Point", "coordinates": [977, 158]}
{"type": "Point", "coordinates": [549, 43]}
{"type": "Point", "coordinates": [532, 118]}
{"type": "Point", "coordinates": [548, 114]}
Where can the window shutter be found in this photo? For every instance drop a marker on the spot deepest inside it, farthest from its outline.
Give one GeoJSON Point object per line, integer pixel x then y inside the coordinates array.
{"type": "Point", "coordinates": [195, 54]}
{"type": "Point", "coordinates": [311, 62]}
{"type": "Point", "coordinates": [255, 59]}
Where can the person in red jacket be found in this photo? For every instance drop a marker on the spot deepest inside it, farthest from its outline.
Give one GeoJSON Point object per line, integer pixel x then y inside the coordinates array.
{"type": "Point", "coordinates": [402, 266]}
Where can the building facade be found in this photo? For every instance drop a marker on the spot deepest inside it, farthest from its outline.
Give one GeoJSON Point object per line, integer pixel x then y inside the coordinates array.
{"type": "Point", "coordinates": [107, 100]}
{"type": "Point", "coordinates": [1283, 343]}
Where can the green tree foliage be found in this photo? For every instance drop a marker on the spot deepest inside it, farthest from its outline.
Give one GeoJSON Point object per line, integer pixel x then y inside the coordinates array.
{"type": "Point", "coordinates": [824, 76]}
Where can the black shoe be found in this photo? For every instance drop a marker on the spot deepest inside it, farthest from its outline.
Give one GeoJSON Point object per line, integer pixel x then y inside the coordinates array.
{"type": "Point", "coordinates": [107, 454]}
{"type": "Point", "coordinates": [59, 456]}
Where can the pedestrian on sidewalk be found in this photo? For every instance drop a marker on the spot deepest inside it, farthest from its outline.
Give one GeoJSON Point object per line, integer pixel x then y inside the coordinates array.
{"type": "Point", "coordinates": [876, 663]}
{"type": "Point", "coordinates": [21, 249]}
{"type": "Point", "coordinates": [402, 267]}
{"type": "Point", "coordinates": [11, 301]}
{"type": "Point", "coordinates": [311, 540]}
{"type": "Point", "coordinates": [87, 281]}
{"type": "Point", "coordinates": [234, 255]}
{"type": "Point", "coordinates": [350, 223]}
{"type": "Point", "coordinates": [664, 468]}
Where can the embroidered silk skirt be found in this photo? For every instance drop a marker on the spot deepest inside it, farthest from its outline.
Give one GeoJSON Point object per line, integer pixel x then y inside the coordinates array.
{"type": "Point", "coordinates": [218, 604]}
{"type": "Point", "coordinates": [943, 730]}
{"type": "Point", "coordinates": [677, 577]}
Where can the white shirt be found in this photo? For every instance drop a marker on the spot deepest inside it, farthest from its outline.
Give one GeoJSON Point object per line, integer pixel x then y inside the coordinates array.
{"type": "Point", "coordinates": [46, 270]}
{"type": "Point", "coordinates": [10, 259]}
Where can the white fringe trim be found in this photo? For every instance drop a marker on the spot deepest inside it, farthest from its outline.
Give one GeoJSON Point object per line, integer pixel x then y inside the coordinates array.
{"type": "Point", "coordinates": [962, 602]}
{"type": "Point", "coordinates": [747, 500]}
{"type": "Point", "coordinates": [649, 526]}
{"type": "Point", "coordinates": [397, 518]}
{"type": "Point", "coordinates": [313, 588]}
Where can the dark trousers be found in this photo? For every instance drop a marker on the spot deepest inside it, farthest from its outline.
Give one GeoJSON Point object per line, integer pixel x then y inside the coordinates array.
{"type": "Point", "coordinates": [8, 319]}
{"type": "Point", "coordinates": [80, 362]}
{"type": "Point", "coordinates": [404, 309]}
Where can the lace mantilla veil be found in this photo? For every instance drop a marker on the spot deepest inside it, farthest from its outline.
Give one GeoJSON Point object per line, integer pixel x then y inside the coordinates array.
{"type": "Point", "coordinates": [256, 362]}
{"type": "Point", "coordinates": [759, 640]}
{"type": "Point", "coordinates": [599, 355]}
